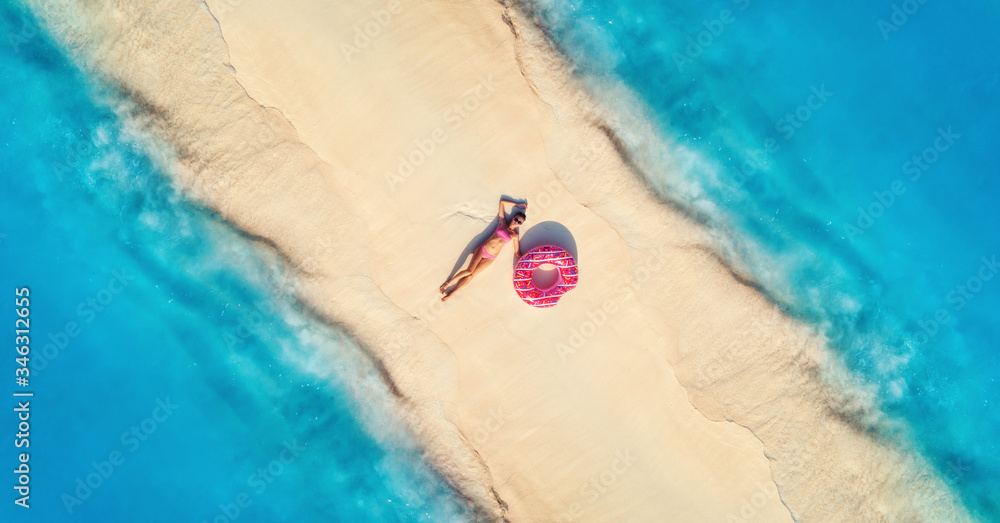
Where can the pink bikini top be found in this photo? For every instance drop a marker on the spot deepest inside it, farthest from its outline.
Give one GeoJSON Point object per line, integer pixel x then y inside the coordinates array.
{"type": "Point", "coordinates": [504, 235]}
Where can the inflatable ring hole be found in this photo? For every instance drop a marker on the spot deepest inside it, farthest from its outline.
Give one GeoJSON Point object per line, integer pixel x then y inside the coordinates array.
{"type": "Point", "coordinates": [546, 277]}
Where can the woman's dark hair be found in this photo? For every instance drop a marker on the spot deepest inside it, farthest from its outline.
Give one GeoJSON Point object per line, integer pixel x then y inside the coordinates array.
{"type": "Point", "coordinates": [518, 212]}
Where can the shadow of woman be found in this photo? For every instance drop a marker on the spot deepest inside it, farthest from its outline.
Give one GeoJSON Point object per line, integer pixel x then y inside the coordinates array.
{"type": "Point", "coordinates": [472, 246]}
{"type": "Point", "coordinates": [479, 239]}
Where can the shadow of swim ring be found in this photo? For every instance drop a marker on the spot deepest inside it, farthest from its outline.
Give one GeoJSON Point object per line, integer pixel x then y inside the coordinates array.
{"type": "Point", "coordinates": [544, 274]}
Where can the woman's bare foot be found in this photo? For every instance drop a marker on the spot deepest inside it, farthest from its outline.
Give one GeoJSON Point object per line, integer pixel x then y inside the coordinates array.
{"type": "Point", "coordinates": [446, 296]}
{"type": "Point", "coordinates": [444, 286]}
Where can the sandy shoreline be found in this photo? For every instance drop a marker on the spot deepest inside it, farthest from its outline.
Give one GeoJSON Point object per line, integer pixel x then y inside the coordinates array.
{"type": "Point", "coordinates": [368, 142]}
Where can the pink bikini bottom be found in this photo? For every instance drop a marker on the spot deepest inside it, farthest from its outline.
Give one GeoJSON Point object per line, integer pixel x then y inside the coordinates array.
{"type": "Point", "coordinates": [486, 253]}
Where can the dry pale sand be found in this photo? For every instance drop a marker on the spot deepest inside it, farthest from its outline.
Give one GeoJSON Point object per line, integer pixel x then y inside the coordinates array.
{"type": "Point", "coordinates": [368, 143]}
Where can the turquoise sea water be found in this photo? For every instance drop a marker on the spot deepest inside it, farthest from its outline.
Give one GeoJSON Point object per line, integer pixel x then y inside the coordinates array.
{"type": "Point", "coordinates": [174, 377]}
{"type": "Point", "coordinates": [846, 151]}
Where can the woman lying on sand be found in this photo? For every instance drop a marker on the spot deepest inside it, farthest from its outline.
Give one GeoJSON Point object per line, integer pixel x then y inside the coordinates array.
{"type": "Point", "coordinates": [483, 256]}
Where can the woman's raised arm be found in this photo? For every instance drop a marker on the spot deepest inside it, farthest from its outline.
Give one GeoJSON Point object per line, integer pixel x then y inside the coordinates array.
{"type": "Point", "coordinates": [502, 213]}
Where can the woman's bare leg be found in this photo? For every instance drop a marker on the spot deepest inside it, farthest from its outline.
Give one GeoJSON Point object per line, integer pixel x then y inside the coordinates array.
{"type": "Point", "coordinates": [458, 276]}
{"type": "Point", "coordinates": [477, 256]}
{"type": "Point", "coordinates": [484, 263]}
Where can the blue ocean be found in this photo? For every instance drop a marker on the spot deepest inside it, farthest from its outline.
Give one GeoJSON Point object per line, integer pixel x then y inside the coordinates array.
{"type": "Point", "coordinates": [842, 152]}
{"type": "Point", "coordinates": [174, 377]}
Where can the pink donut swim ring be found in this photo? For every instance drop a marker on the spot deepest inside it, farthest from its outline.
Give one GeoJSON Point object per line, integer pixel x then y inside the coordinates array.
{"type": "Point", "coordinates": [532, 260]}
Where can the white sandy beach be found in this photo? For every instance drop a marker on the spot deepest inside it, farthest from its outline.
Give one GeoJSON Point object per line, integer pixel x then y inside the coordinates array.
{"type": "Point", "coordinates": [369, 141]}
